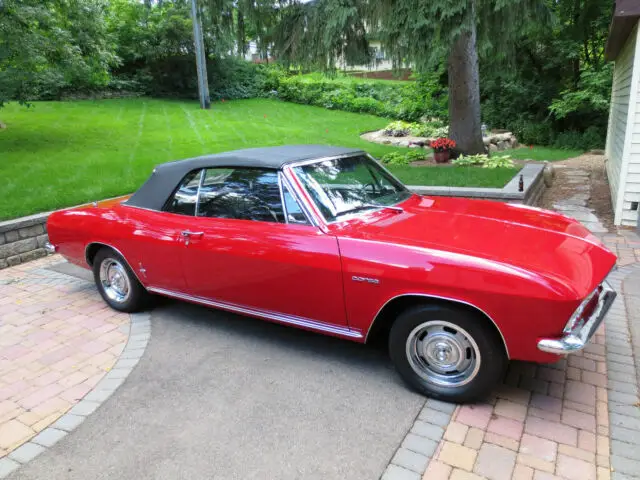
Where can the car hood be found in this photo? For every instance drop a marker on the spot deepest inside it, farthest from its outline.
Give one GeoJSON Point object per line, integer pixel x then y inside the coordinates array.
{"type": "Point", "coordinates": [544, 242]}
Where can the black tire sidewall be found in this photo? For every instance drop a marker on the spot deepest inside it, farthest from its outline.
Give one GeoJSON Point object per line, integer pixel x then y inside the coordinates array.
{"type": "Point", "coordinates": [493, 360]}
{"type": "Point", "coordinates": [137, 295]}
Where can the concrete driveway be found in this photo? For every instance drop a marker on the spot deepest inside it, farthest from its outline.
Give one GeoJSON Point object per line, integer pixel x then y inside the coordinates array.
{"type": "Point", "coordinates": [221, 396]}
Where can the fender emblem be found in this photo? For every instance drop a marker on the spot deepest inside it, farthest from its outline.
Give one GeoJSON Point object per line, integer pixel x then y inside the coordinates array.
{"type": "Point", "coordinates": [374, 281]}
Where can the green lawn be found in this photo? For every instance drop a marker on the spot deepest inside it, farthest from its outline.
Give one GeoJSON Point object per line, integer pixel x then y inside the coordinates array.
{"type": "Point", "coordinates": [541, 153]}
{"type": "Point", "coordinates": [57, 154]}
{"type": "Point", "coordinates": [454, 176]}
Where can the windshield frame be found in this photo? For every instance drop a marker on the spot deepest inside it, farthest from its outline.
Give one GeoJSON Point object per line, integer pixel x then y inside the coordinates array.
{"type": "Point", "coordinates": [289, 171]}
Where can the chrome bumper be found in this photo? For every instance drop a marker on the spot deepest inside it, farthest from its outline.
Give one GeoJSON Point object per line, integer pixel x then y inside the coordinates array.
{"type": "Point", "coordinates": [50, 247]}
{"type": "Point", "coordinates": [578, 338]}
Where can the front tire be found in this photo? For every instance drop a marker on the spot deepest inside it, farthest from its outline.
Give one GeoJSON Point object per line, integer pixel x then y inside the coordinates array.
{"type": "Point", "coordinates": [447, 353]}
{"type": "Point", "coordinates": [117, 284]}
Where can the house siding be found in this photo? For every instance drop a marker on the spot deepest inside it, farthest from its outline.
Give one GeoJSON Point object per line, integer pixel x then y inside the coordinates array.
{"type": "Point", "coordinates": [623, 139]}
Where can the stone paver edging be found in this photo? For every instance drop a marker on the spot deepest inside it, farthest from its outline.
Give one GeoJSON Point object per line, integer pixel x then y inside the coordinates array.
{"type": "Point", "coordinates": [138, 335]}
{"type": "Point", "coordinates": [419, 445]}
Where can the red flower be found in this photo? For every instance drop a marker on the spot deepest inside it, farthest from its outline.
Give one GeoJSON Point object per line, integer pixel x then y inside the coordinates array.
{"type": "Point", "coordinates": [442, 144]}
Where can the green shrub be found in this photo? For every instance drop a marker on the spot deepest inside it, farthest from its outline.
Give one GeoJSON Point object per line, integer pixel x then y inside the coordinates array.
{"type": "Point", "coordinates": [405, 158]}
{"type": "Point", "coordinates": [229, 78]}
{"type": "Point", "coordinates": [591, 138]}
{"type": "Point", "coordinates": [398, 128]}
{"type": "Point", "coordinates": [533, 133]}
{"type": "Point", "coordinates": [408, 101]}
{"type": "Point", "coordinates": [494, 161]}
{"type": "Point", "coordinates": [429, 130]}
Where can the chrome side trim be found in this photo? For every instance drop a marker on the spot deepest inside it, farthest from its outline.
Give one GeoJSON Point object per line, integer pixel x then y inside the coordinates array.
{"type": "Point", "coordinates": [277, 317]}
{"type": "Point", "coordinates": [576, 339]}
{"type": "Point", "coordinates": [284, 205]}
{"type": "Point", "coordinates": [202, 174]}
{"type": "Point", "coordinates": [438, 297]}
{"type": "Point", "coordinates": [86, 258]}
{"type": "Point", "coordinates": [288, 169]}
{"type": "Point", "coordinates": [298, 200]}
{"type": "Point", "coordinates": [124, 204]}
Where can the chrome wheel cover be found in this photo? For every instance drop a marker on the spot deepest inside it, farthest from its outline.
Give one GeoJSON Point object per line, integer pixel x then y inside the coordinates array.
{"type": "Point", "coordinates": [443, 354]}
{"type": "Point", "coordinates": [115, 280]}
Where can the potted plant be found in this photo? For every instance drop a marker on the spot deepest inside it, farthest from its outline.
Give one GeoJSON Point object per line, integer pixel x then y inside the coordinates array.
{"type": "Point", "coordinates": [442, 148]}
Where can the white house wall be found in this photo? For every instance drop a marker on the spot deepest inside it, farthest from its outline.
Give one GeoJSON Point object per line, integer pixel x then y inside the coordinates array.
{"type": "Point", "coordinates": [623, 139]}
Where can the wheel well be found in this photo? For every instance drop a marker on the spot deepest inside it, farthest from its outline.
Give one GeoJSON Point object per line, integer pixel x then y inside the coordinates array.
{"type": "Point", "coordinates": [379, 331]}
{"type": "Point", "coordinates": [92, 250]}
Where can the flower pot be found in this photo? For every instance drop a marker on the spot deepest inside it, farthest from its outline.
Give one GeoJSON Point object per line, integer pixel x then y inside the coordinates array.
{"type": "Point", "coordinates": [441, 157]}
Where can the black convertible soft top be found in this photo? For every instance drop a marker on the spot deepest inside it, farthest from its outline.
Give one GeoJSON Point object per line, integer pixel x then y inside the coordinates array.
{"type": "Point", "coordinates": [165, 177]}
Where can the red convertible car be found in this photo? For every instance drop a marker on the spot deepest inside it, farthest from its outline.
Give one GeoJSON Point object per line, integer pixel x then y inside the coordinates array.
{"type": "Point", "coordinates": [325, 239]}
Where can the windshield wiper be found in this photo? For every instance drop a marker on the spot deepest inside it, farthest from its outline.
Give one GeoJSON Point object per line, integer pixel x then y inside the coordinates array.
{"type": "Point", "coordinates": [366, 206]}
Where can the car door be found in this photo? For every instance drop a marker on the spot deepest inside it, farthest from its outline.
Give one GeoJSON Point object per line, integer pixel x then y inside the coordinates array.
{"type": "Point", "coordinates": [157, 236]}
{"type": "Point", "coordinates": [242, 249]}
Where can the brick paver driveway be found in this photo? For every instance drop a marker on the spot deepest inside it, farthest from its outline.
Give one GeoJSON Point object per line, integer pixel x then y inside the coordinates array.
{"type": "Point", "coordinates": [57, 340]}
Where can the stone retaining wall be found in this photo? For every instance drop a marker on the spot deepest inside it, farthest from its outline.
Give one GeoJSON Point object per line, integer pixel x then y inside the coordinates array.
{"type": "Point", "coordinates": [532, 179]}
{"type": "Point", "coordinates": [22, 240]}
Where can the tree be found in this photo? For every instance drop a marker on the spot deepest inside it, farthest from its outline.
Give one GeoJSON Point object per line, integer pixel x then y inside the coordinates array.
{"type": "Point", "coordinates": [557, 89]}
{"type": "Point", "coordinates": [317, 34]}
{"type": "Point", "coordinates": [421, 33]}
{"type": "Point", "coordinates": [48, 45]}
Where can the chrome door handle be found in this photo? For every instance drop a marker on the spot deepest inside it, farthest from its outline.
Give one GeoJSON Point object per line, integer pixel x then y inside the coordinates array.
{"type": "Point", "coordinates": [188, 233]}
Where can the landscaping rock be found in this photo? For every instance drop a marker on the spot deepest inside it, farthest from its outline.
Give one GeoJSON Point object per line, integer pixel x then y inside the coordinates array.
{"type": "Point", "coordinates": [500, 141]}
{"type": "Point", "coordinates": [548, 173]}
{"type": "Point", "coordinates": [2, 240]}
{"type": "Point", "coordinates": [3, 264]}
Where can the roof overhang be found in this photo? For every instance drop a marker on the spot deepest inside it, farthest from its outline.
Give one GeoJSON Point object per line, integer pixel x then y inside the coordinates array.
{"type": "Point", "coordinates": [625, 17]}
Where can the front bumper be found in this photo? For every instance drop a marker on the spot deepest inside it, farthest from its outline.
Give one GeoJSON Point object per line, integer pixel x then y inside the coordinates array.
{"type": "Point", "coordinates": [577, 339]}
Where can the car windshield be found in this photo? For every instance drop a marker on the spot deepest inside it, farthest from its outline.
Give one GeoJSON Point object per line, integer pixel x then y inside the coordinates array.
{"type": "Point", "coordinates": [348, 185]}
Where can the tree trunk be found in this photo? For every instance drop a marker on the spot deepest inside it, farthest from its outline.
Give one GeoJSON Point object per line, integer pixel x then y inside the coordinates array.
{"type": "Point", "coordinates": [464, 94]}
{"type": "Point", "coordinates": [241, 37]}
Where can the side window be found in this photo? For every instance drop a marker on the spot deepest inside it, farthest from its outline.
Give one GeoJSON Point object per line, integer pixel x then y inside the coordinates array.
{"type": "Point", "coordinates": [294, 212]}
{"type": "Point", "coordinates": [185, 197]}
{"type": "Point", "coordinates": [242, 194]}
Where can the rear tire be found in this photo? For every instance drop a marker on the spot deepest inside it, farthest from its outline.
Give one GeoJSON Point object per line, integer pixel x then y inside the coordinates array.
{"type": "Point", "coordinates": [447, 353]}
{"type": "Point", "coordinates": [117, 284]}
